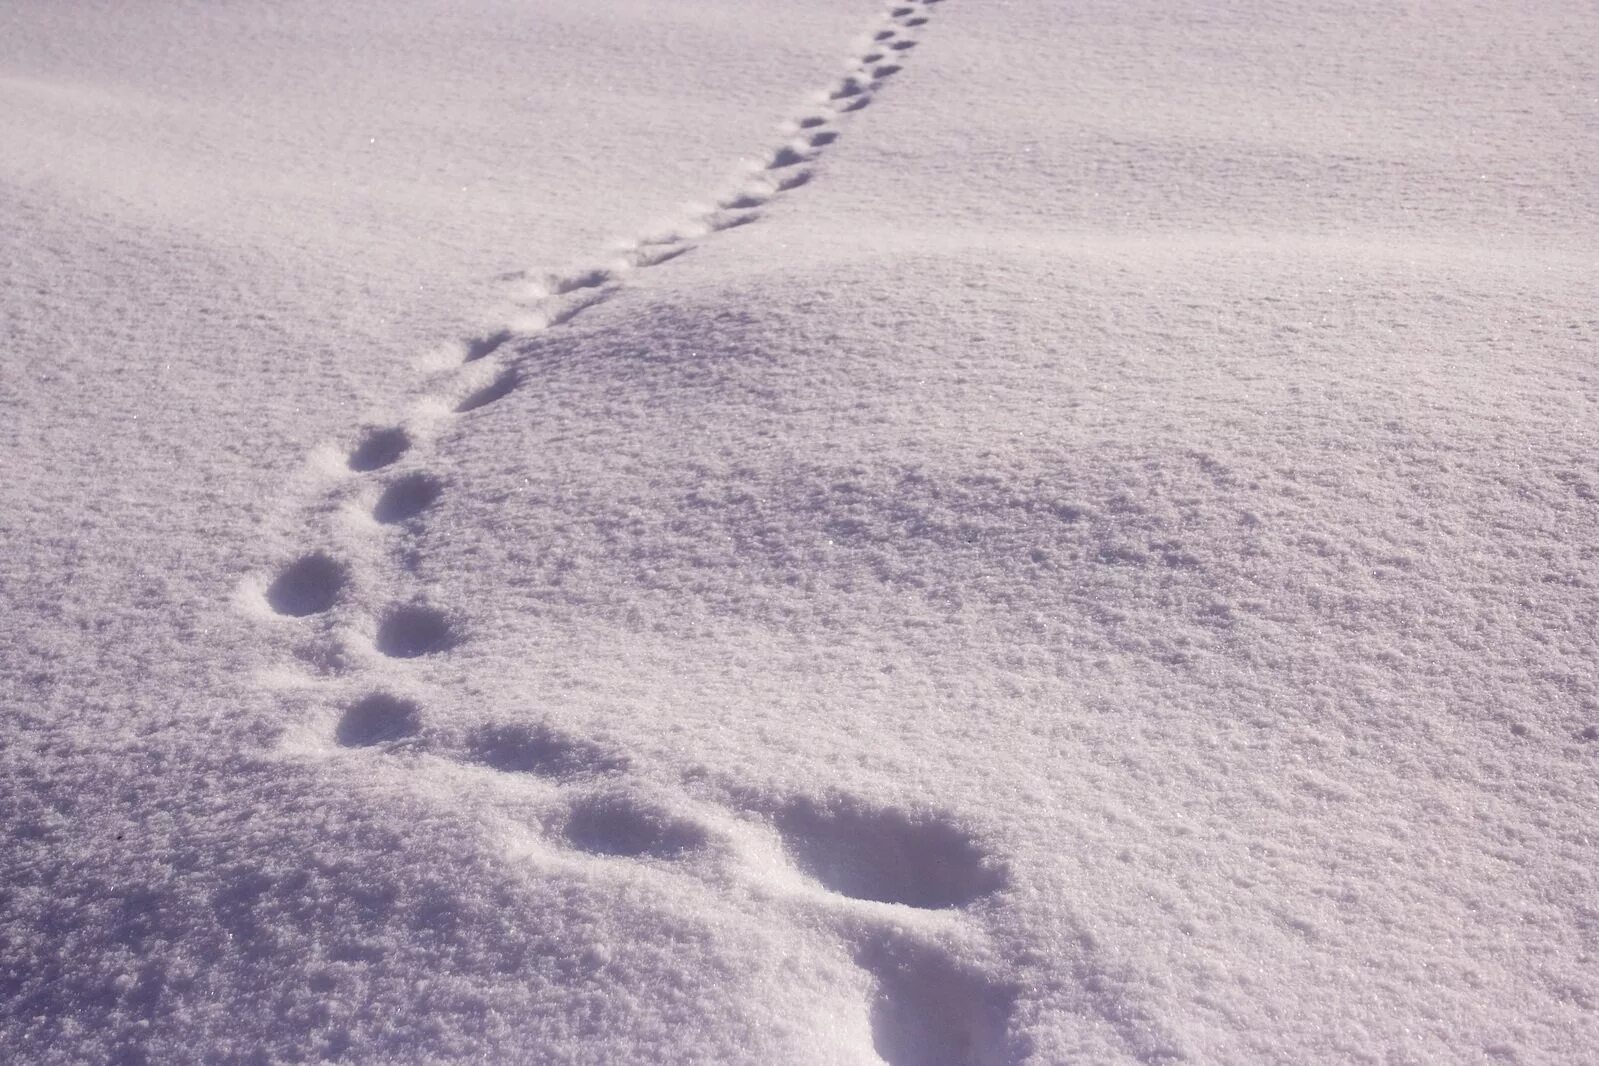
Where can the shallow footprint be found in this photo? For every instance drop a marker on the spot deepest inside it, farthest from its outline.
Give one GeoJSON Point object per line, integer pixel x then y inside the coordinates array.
{"type": "Point", "coordinates": [309, 585]}
{"type": "Point", "coordinates": [378, 718]}
{"type": "Point", "coordinates": [616, 824]}
{"type": "Point", "coordinates": [407, 497]}
{"type": "Point", "coordinates": [886, 855]}
{"type": "Point", "coordinates": [538, 749]}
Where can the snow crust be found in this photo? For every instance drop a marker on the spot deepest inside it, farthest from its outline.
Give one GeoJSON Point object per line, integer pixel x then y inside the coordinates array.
{"type": "Point", "coordinates": [956, 533]}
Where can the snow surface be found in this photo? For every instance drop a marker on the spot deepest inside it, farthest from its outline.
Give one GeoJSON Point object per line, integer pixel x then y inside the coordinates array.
{"type": "Point", "coordinates": [970, 532]}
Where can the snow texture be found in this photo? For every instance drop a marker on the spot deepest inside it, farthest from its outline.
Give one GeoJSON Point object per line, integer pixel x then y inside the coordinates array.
{"type": "Point", "coordinates": [1077, 544]}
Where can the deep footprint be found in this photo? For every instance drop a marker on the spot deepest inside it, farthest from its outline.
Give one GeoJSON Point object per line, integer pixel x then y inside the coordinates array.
{"type": "Point", "coordinates": [379, 448]}
{"type": "Point", "coordinates": [931, 1010]}
{"type": "Point", "coordinates": [499, 388]}
{"type": "Point", "coordinates": [410, 631]}
{"type": "Point", "coordinates": [483, 346]}
{"type": "Point", "coordinates": [407, 497]}
{"type": "Point", "coordinates": [888, 856]}
{"type": "Point", "coordinates": [538, 749]}
{"type": "Point", "coordinates": [307, 586]}
{"type": "Point", "coordinates": [615, 824]}
{"type": "Point", "coordinates": [378, 718]}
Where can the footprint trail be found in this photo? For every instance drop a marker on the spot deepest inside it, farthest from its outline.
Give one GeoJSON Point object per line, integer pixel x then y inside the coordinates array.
{"type": "Point", "coordinates": [901, 891]}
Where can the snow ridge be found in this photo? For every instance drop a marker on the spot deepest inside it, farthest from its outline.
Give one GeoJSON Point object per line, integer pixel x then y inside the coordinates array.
{"type": "Point", "coordinates": [896, 886]}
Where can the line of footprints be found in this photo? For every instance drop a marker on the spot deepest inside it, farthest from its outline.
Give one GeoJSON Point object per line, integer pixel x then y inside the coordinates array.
{"type": "Point", "coordinates": [862, 866]}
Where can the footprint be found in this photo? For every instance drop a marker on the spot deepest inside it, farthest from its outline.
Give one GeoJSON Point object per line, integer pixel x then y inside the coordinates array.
{"type": "Point", "coordinates": [407, 497]}
{"type": "Point", "coordinates": [726, 222]}
{"type": "Point", "coordinates": [743, 202]}
{"type": "Point", "coordinates": [499, 388]}
{"type": "Point", "coordinates": [810, 122]}
{"type": "Point", "coordinates": [903, 46]}
{"type": "Point", "coordinates": [616, 824]}
{"type": "Point", "coordinates": [786, 156]}
{"type": "Point", "coordinates": [538, 749]}
{"type": "Point", "coordinates": [588, 279]}
{"type": "Point", "coordinates": [379, 448]}
{"type": "Point", "coordinates": [488, 345]}
{"type": "Point", "coordinates": [309, 585]}
{"type": "Point", "coordinates": [887, 855]}
{"type": "Point", "coordinates": [412, 630]}
{"type": "Point", "coordinates": [930, 1009]}
{"type": "Point", "coordinates": [657, 256]}
{"type": "Point", "coordinates": [794, 181]}
{"type": "Point", "coordinates": [377, 719]}
{"type": "Point", "coordinates": [887, 70]}
{"type": "Point", "coordinates": [883, 35]}
{"type": "Point", "coordinates": [916, 22]}
{"type": "Point", "coordinates": [848, 88]}
{"type": "Point", "coordinates": [823, 139]}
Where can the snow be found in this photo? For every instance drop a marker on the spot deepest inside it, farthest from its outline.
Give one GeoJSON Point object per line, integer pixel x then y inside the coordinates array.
{"type": "Point", "coordinates": [968, 532]}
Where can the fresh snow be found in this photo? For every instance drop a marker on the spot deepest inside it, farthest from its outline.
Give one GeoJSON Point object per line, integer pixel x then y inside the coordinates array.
{"type": "Point", "coordinates": [970, 532]}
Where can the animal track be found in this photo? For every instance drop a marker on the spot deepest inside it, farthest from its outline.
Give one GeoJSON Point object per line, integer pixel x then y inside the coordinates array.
{"type": "Point", "coordinates": [930, 1008]}
{"type": "Point", "coordinates": [484, 346]}
{"type": "Point", "coordinates": [309, 585]}
{"type": "Point", "coordinates": [886, 855]}
{"type": "Point", "coordinates": [786, 156]}
{"type": "Point", "coordinates": [538, 749]}
{"type": "Point", "coordinates": [410, 631]}
{"type": "Point", "coordinates": [407, 497]}
{"type": "Point", "coordinates": [617, 824]}
{"type": "Point", "coordinates": [499, 388]}
{"type": "Point", "coordinates": [379, 448]}
{"type": "Point", "coordinates": [589, 279]}
{"type": "Point", "coordinates": [377, 719]}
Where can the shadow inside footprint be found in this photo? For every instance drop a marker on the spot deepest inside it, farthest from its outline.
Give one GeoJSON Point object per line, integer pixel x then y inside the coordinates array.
{"type": "Point", "coordinates": [538, 749]}
{"type": "Point", "coordinates": [785, 157]}
{"type": "Point", "coordinates": [499, 388]}
{"type": "Point", "coordinates": [378, 718]}
{"type": "Point", "coordinates": [932, 1010]}
{"type": "Point", "coordinates": [743, 202]}
{"type": "Point", "coordinates": [379, 448]}
{"type": "Point", "coordinates": [887, 855]}
{"type": "Point", "coordinates": [619, 825]}
{"type": "Point", "coordinates": [406, 497]}
{"type": "Point", "coordinates": [588, 279]}
{"type": "Point", "coordinates": [309, 585]}
{"type": "Point", "coordinates": [409, 631]}
{"type": "Point", "coordinates": [481, 346]}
